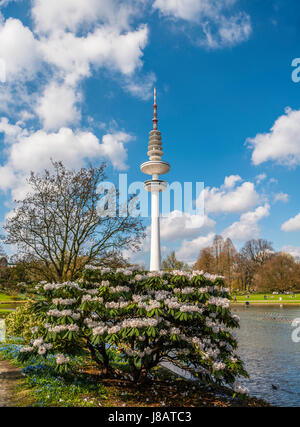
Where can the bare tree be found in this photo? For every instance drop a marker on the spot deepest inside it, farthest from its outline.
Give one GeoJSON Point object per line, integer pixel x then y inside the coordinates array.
{"type": "Point", "coordinates": [60, 226]}
{"type": "Point", "coordinates": [254, 254]}
{"type": "Point", "coordinates": [258, 251]}
{"type": "Point", "coordinates": [172, 263]}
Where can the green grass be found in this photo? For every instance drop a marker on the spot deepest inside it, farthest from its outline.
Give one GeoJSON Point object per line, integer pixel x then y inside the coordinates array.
{"type": "Point", "coordinates": [271, 299]}
{"type": "Point", "coordinates": [11, 298]}
{"type": "Point", "coordinates": [5, 297]}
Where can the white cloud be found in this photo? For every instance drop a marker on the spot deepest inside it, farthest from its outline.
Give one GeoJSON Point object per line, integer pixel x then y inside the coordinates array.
{"type": "Point", "coordinates": [69, 15]}
{"type": "Point", "coordinates": [33, 151]}
{"type": "Point", "coordinates": [292, 250]}
{"type": "Point", "coordinates": [57, 106]}
{"type": "Point", "coordinates": [4, 3]}
{"type": "Point", "coordinates": [221, 26]}
{"type": "Point", "coordinates": [11, 132]}
{"type": "Point", "coordinates": [190, 249]}
{"type": "Point", "coordinates": [189, 10]}
{"type": "Point", "coordinates": [292, 224]}
{"type": "Point", "coordinates": [281, 197]}
{"type": "Point", "coordinates": [19, 50]}
{"type": "Point", "coordinates": [231, 180]}
{"type": "Point", "coordinates": [178, 226]}
{"type": "Point", "coordinates": [112, 148]}
{"type": "Point", "coordinates": [69, 41]}
{"type": "Point", "coordinates": [261, 177]}
{"type": "Point", "coordinates": [234, 30]}
{"type": "Point", "coordinates": [74, 56]}
{"type": "Point", "coordinates": [140, 87]}
{"type": "Point", "coordinates": [230, 199]}
{"type": "Point", "coordinates": [248, 225]}
{"type": "Point", "coordinates": [281, 144]}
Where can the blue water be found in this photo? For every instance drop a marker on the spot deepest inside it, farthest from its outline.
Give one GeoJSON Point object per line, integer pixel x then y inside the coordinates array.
{"type": "Point", "coordinates": [270, 355]}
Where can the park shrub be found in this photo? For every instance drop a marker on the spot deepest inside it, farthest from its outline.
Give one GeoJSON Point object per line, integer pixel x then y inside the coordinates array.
{"type": "Point", "coordinates": [20, 322]}
{"type": "Point", "coordinates": [135, 320]}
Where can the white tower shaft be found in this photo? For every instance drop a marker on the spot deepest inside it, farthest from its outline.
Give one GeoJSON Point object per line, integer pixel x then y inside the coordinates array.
{"type": "Point", "coordinates": [155, 167]}
{"type": "Point", "coordinates": [155, 257]}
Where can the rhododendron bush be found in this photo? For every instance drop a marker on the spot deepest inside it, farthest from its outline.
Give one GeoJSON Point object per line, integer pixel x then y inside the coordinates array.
{"type": "Point", "coordinates": [139, 319]}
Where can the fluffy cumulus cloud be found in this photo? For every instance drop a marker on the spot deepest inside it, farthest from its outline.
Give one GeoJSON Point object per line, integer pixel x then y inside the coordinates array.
{"type": "Point", "coordinates": [281, 144]}
{"type": "Point", "coordinates": [56, 15]}
{"type": "Point", "coordinates": [52, 112]}
{"type": "Point", "coordinates": [196, 232]}
{"type": "Point", "coordinates": [45, 67]}
{"type": "Point", "coordinates": [248, 225]}
{"type": "Point", "coordinates": [292, 224]}
{"type": "Point", "coordinates": [230, 197]}
{"type": "Point", "coordinates": [190, 249]}
{"type": "Point", "coordinates": [220, 23]}
{"type": "Point", "coordinates": [75, 56]}
{"type": "Point", "coordinates": [178, 226]}
{"type": "Point", "coordinates": [19, 50]}
{"type": "Point", "coordinates": [27, 151]}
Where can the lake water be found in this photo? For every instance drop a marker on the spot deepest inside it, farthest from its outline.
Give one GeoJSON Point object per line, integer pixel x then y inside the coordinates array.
{"type": "Point", "coordinates": [270, 355]}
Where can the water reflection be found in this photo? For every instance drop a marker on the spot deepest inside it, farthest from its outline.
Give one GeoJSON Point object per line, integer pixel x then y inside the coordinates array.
{"type": "Point", "coordinates": [271, 357]}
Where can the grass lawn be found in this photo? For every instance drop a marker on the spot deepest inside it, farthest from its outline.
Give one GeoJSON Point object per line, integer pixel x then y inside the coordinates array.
{"type": "Point", "coordinates": [271, 299]}
{"type": "Point", "coordinates": [4, 298]}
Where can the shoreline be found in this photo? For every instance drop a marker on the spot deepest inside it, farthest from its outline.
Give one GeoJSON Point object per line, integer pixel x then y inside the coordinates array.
{"type": "Point", "coordinates": [261, 304]}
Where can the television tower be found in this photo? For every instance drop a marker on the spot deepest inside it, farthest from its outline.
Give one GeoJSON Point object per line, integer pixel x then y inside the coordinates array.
{"type": "Point", "coordinates": [155, 166]}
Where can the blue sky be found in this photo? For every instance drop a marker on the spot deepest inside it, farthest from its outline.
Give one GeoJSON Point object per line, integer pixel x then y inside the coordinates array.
{"type": "Point", "coordinates": [79, 81]}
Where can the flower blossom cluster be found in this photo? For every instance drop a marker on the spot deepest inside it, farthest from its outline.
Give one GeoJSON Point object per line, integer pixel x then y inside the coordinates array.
{"type": "Point", "coordinates": [219, 302]}
{"type": "Point", "coordinates": [128, 323]}
{"type": "Point", "coordinates": [57, 286]}
{"type": "Point", "coordinates": [70, 313]}
{"type": "Point", "coordinates": [150, 305]}
{"type": "Point", "coordinates": [118, 289]}
{"type": "Point", "coordinates": [219, 366]}
{"type": "Point", "coordinates": [238, 388]}
{"type": "Point", "coordinates": [62, 328]}
{"type": "Point", "coordinates": [117, 305]}
{"type": "Point", "coordinates": [61, 301]}
{"type": "Point", "coordinates": [61, 359]}
{"type": "Point", "coordinates": [39, 345]}
{"type": "Point", "coordinates": [88, 298]}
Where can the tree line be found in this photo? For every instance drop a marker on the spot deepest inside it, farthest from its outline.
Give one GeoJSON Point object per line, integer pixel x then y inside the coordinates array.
{"type": "Point", "coordinates": [256, 266]}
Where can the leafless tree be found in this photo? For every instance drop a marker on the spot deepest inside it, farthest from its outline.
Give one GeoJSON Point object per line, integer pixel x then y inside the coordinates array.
{"type": "Point", "coordinates": [60, 225]}
{"type": "Point", "coordinates": [253, 255]}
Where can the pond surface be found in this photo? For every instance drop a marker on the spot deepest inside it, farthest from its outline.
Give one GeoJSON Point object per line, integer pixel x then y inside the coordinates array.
{"type": "Point", "coordinates": [270, 355]}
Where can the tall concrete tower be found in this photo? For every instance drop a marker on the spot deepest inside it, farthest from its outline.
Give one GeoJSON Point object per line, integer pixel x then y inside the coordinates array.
{"type": "Point", "coordinates": [155, 167]}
